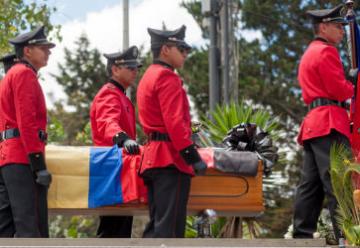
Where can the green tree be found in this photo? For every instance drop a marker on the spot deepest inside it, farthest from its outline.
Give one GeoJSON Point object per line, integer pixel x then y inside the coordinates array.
{"type": "Point", "coordinates": [267, 78]}
{"type": "Point", "coordinates": [19, 15]}
{"type": "Point", "coordinates": [65, 128]}
{"type": "Point", "coordinates": [268, 66]}
{"type": "Point", "coordinates": [196, 77]}
{"type": "Point", "coordinates": [224, 118]}
{"type": "Point", "coordinates": [81, 75]}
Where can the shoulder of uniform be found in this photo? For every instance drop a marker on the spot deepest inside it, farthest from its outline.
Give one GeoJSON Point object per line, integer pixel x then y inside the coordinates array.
{"type": "Point", "coordinates": [163, 71]}
{"type": "Point", "coordinates": [169, 78]}
{"type": "Point", "coordinates": [109, 86]}
{"type": "Point", "coordinates": [328, 49]}
{"type": "Point", "coordinates": [171, 74]}
{"type": "Point", "coordinates": [160, 68]}
{"type": "Point", "coordinates": [19, 67]}
{"type": "Point", "coordinates": [318, 48]}
{"type": "Point", "coordinates": [107, 91]}
{"type": "Point", "coordinates": [322, 44]}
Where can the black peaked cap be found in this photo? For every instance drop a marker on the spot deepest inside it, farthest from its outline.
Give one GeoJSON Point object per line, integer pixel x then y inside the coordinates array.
{"type": "Point", "coordinates": [328, 15]}
{"type": "Point", "coordinates": [34, 37]}
{"type": "Point", "coordinates": [128, 58]}
{"type": "Point", "coordinates": [160, 37]}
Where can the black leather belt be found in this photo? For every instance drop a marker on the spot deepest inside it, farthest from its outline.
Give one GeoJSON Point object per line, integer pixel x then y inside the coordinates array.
{"type": "Point", "coordinates": [324, 102]}
{"type": "Point", "coordinates": [14, 132]}
{"type": "Point", "coordinates": [156, 136]}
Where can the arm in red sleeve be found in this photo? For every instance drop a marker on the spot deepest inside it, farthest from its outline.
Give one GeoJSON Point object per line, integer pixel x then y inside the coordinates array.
{"type": "Point", "coordinates": [171, 95]}
{"type": "Point", "coordinates": [26, 93]}
{"type": "Point", "coordinates": [108, 115]}
{"type": "Point", "coordinates": [333, 77]}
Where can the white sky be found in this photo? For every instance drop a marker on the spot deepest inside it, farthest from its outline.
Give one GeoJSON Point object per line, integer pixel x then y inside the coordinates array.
{"type": "Point", "coordinates": [104, 30]}
{"type": "Point", "coordinates": [103, 27]}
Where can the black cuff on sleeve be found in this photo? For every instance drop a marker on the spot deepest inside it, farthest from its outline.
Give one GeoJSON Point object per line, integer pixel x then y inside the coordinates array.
{"type": "Point", "coordinates": [190, 154]}
{"type": "Point", "coordinates": [37, 161]}
{"type": "Point", "coordinates": [120, 138]}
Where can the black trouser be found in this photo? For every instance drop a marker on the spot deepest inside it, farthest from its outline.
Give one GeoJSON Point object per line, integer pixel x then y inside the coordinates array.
{"type": "Point", "coordinates": [115, 227]}
{"type": "Point", "coordinates": [23, 203]}
{"type": "Point", "coordinates": [168, 193]}
{"type": "Point", "coordinates": [315, 184]}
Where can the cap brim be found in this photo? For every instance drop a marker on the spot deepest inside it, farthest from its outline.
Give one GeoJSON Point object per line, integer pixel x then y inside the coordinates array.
{"type": "Point", "coordinates": [45, 43]}
{"type": "Point", "coordinates": [343, 22]}
{"type": "Point", "coordinates": [132, 65]}
{"type": "Point", "coordinates": [184, 45]}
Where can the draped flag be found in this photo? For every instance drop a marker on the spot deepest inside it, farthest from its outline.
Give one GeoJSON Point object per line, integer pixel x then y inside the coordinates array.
{"type": "Point", "coordinates": [354, 51]}
{"type": "Point", "coordinates": [355, 105]}
{"type": "Point", "coordinates": [90, 177]}
{"type": "Point", "coordinates": [105, 183]}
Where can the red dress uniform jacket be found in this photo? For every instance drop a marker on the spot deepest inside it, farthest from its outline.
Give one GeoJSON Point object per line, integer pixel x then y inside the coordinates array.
{"type": "Point", "coordinates": [22, 106]}
{"type": "Point", "coordinates": [163, 107]}
{"type": "Point", "coordinates": [111, 113]}
{"type": "Point", "coordinates": [321, 75]}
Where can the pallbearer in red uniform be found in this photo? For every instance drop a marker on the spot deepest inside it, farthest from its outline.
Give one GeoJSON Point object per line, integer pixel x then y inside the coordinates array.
{"type": "Point", "coordinates": [112, 118]}
{"type": "Point", "coordinates": [325, 90]}
{"type": "Point", "coordinates": [24, 180]}
{"type": "Point", "coordinates": [170, 157]}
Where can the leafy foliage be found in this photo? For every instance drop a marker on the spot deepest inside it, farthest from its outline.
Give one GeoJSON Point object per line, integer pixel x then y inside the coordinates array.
{"type": "Point", "coordinates": [226, 117]}
{"type": "Point", "coordinates": [196, 76]}
{"type": "Point", "coordinates": [267, 78]}
{"type": "Point", "coordinates": [81, 76]}
{"type": "Point", "coordinates": [342, 171]}
{"type": "Point", "coordinates": [84, 137]}
{"type": "Point", "coordinates": [72, 226]}
{"type": "Point", "coordinates": [56, 133]}
{"type": "Point", "coordinates": [268, 65]}
{"type": "Point", "coordinates": [19, 15]}
{"type": "Point", "coordinates": [190, 231]}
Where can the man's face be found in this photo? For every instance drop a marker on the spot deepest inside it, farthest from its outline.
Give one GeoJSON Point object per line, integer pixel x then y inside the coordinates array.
{"type": "Point", "coordinates": [333, 32]}
{"type": "Point", "coordinates": [37, 55]}
{"type": "Point", "coordinates": [125, 75]}
{"type": "Point", "coordinates": [176, 55]}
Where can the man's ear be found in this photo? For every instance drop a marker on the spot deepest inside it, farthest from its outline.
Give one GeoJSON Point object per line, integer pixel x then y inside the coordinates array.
{"type": "Point", "coordinates": [26, 51]}
{"type": "Point", "coordinates": [113, 69]}
{"type": "Point", "coordinates": [164, 50]}
{"type": "Point", "coordinates": [322, 27]}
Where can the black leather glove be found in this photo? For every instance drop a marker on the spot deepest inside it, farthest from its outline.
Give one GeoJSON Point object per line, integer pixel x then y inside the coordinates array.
{"type": "Point", "coordinates": [43, 177]}
{"type": "Point", "coordinates": [131, 146]}
{"type": "Point", "coordinates": [353, 75]}
{"type": "Point", "coordinates": [200, 168]}
{"type": "Point", "coordinates": [38, 167]}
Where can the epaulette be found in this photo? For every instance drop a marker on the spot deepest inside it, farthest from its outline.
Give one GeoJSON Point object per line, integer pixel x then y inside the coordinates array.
{"type": "Point", "coordinates": [111, 86]}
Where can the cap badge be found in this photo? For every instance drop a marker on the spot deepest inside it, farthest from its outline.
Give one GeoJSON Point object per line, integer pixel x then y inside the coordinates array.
{"type": "Point", "coordinates": [172, 39]}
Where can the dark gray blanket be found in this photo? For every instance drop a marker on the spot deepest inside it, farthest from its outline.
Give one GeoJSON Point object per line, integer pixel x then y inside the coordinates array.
{"type": "Point", "coordinates": [240, 162]}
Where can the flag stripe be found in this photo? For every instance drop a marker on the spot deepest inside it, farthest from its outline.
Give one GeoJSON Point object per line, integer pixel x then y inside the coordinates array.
{"type": "Point", "coordinates": [104, 181]}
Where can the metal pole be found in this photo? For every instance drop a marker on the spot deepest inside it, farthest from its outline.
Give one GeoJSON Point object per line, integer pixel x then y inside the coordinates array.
{"type": "Point", "coordinates": [126, 33]}
{"type": "Point", "coordinates": [225, 50]}
{"type": "Point", "coordinates": [214, 88]}
{"type": "Point", "coordinates": [234, 56]}
{"type": "Point", "coordinates": [125, 24]}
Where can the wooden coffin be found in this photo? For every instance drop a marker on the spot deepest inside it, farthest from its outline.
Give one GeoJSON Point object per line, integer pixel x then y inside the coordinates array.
{"type": "Point", "coordinates": [227, 194]}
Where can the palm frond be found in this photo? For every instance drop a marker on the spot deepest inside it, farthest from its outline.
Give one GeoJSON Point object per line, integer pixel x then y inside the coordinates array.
{"type": "Point", "coordinates": [341, 170]}
{"type": "Point", "coordinates": [226, 117]}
